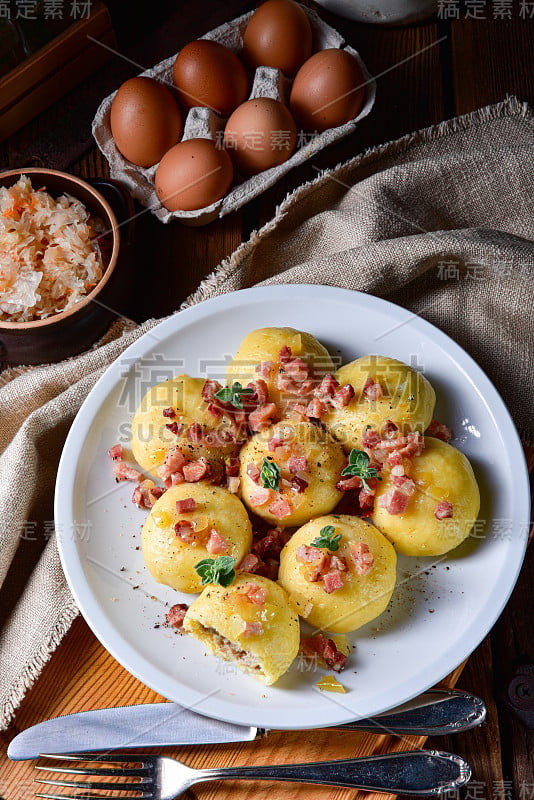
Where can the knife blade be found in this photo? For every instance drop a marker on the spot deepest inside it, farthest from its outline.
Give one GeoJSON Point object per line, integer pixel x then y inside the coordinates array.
{"type": "Point", "coordinates": [163, 724]}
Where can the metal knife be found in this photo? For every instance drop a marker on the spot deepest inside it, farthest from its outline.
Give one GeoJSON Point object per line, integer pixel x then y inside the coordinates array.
{"type": "Point", "coordinates": [433, 713]}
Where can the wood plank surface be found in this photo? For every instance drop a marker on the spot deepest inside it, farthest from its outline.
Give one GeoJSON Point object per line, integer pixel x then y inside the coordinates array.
{"type": "Point", "coordinates": [426, 80]}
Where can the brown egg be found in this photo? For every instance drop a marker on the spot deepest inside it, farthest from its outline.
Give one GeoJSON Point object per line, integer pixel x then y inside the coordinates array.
{"type": "Point", "coordinates": [145, 121]}
{"type": "Point", "coordinates": [260, 134]}
{"type": "Point", "coordinates": [208, 74]}
{"type": "Point", "coordinates": [193, 174]}
{"type": "Point", "coordinates": [278, 35]}
{"type": "Point", "coordinates": [328, 90]}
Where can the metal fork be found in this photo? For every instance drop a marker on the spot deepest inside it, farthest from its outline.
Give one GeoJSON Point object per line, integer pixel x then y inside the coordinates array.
{"type": "Point", "coordinates": [420, 772]}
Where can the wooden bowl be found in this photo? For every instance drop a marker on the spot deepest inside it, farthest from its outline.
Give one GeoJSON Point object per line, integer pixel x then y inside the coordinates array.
{"type": "Point", "coordinates": [71, 331]}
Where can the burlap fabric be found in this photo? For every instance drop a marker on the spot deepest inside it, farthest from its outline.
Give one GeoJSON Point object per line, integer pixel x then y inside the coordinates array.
{"type": "Point", "coordinates": [441, 221]}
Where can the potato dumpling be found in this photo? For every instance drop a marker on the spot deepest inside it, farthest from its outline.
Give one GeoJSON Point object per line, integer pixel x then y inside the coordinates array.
{"type": "Point", "coordinates": [384, 389]}
{"type": "Point", "coordinates": [250, 623]}
{"type": "Point", "coordinates": [344, 589]}
{"type": "Point", "coordinates": [175, 540]}
{"type": "Point", "coordinates": [308, 463]}
{"type": "Point", "coordinates": [170, 414]}
{"type": "Point", "coordinates": [441, 510]}
{"type": "Point", "coordinates": [258, 356]}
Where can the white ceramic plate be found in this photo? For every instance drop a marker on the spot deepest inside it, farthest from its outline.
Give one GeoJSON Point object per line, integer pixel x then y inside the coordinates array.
{"type": "Point", "coordinates": [442, 608]}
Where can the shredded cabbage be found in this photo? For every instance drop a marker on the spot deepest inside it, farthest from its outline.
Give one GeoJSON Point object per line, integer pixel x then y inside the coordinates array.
{"type": "Point", "coordinates": [50, 257]}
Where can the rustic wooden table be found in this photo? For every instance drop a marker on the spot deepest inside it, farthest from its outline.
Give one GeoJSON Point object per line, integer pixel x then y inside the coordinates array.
{"type": "Point", "coordinates": [472, 56]}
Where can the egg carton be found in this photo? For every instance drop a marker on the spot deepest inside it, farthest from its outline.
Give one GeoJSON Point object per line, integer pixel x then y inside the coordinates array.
{"type": "Point", "coordinates": [204, 123]}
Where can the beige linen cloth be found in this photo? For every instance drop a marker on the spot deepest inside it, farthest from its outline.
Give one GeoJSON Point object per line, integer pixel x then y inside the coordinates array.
{"type": "Point", "coordinates": [441, 221]}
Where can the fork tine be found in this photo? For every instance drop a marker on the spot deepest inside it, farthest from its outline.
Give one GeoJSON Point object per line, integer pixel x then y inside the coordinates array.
{"type": "Point", "coordinates": [93, 756]}
{"type": "Point", "coordinates": [80, 797]}
{"type": "Point", "coordinates": [139, 772]}
{"type": "Point", "coordinates": [122, 787]}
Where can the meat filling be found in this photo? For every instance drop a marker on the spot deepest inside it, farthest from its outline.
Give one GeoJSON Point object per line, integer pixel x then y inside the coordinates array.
{"type": "Point", "coordinates": [232, 651]}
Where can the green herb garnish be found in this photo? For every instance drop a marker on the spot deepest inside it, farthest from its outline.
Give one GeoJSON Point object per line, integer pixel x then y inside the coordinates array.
{"type": "Point", "coordinates": [219, 570]}
{"type": "Point", "coordinates": [359, 466]}
{"type": "Point", "coordinates": [270, 475]}
{"type": "Point", "coordinates": [233, 394]}
{"type": "Point", "coordinates": [327, 539]}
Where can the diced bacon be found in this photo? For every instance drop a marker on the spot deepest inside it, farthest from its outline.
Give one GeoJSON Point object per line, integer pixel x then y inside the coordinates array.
{"type": "Point", "coordinates": [138, 498]}
{"type": "Point", "coordinates": [264, 369]}
{"type": "Point", "coordinates": [366, 498]}
{"type": "Point", "coordinates": [260, 497]}
{"type": "Point", "coordinates": [297, 369]}
{"type": "Point", "coordinates": [261, 391]}
{"type": "Point", "coordinates": [249, 563]}
{"type": "Point", "coordinates": [398, 471]}
{"type": "Point", "coordinates": [273, 443]}
{"type": "Point", "coordinates": [339, 563]}
{"type": "Point", "coordinates": [443, 510]}
{"type": "Point", "coordinates": [195, 470]}
{"type": "Point", "coordinates": [325, 649]}
{"type": "Point", "coordinates": [174, 427]}
{"type": "Point", "coordinates": [284, 355]}
{"type": "Point", "coordinates": [346, 484]}
{"type": "Point", "coordinates": [343, 396]}
{"type": "Point", "coordinates": [175, 615]}
{"type": "Point", "coordinates": [362, 556]}
{"type": "Point", "coordinates": [176, 478]}
{"type": "Point", "coordinates": [217, 544]}
{"type": "Point", "coordinates": [184, 531]}
{"type": "Point", "coordinates": [370, 438]}
{"type": "Point", "coordinates": [333, 658]}
{"type": "Point", "coordinates": [415, 444]}
{"type": "Point", "coordinates": [194, 433]}
{"type": "Point", "coordinates": [297, 464]}
{"type": "Point", "coordinates": [231, 467]}
{"type": "Point", "coordinates": [395, 501]}
{"type": "Point", "coordinates": [116, 452]}
{"type": "Point", "coordinates": [215, 411]}
{"type": "Point", "coordinates": [169, 412]}
{"type": "Point", "coordinates": [332, 581]}
{"type": "Point", "coordinates": [305, 388]}
{"type": "Point", "coordinates": [185, 505]}
{"type": "Point", "coordinates": [326, 388]}
{"type": "Point", "coordinates": [315, 409]}
{"type": "Point", "coordinates": [299, 484]}
{"type": "Point", "coordinates": [307, 554]}
{"type": "Point", "coordinates": [389, 428]}
{"type": "Point", "coordinates": [285, 383]}
{"type": "Point", "coordinates": [270, 545]}
{"type": "Point", "coordinates": [146, 494]}
{"type": "Point", "coordinates": [296, 411]}
{"type": "Point", "coordinates": [233, 483]}
{"type": "Point", "coordinates": [280, 508]}
{"type": "Point", "coordinates": [252, 629]}
{"type": "Point", "coordinates": [395, 460]}
{"type": "Point", "coordinates": [253, 472]}
{"type": "Point", "coordinates": [404, 484]}
{"type": "Point", "coordinates": [256, 594]}
{"type": "Point", "coordinates": [372, 390]}
{"type": "Point", "coordinates": [123, 472]}
{"type": "Point", "coordinates": [173, 462]}
{"type": "Point", "coordinates": [262, 417]}
{"type": "Point", "coordinates": [440, 431]}
{"type": "Point", "coordinates": [209, 390]}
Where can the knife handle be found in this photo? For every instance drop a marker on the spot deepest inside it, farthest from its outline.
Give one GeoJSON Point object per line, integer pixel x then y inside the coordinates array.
{"type": "Point", "coordinates": [434, 713]}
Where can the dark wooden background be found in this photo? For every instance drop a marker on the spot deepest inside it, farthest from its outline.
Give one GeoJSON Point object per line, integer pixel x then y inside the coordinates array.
{"type": "Point", "coordinates": [477, 62]}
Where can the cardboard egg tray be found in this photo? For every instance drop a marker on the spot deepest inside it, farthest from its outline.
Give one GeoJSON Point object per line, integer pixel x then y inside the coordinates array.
{"type": "Point", "coordinates": [204, 123]}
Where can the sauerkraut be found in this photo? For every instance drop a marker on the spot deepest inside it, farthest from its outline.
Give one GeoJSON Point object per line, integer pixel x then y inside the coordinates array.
{"type": "Point", "coordinates": [50, 255]}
